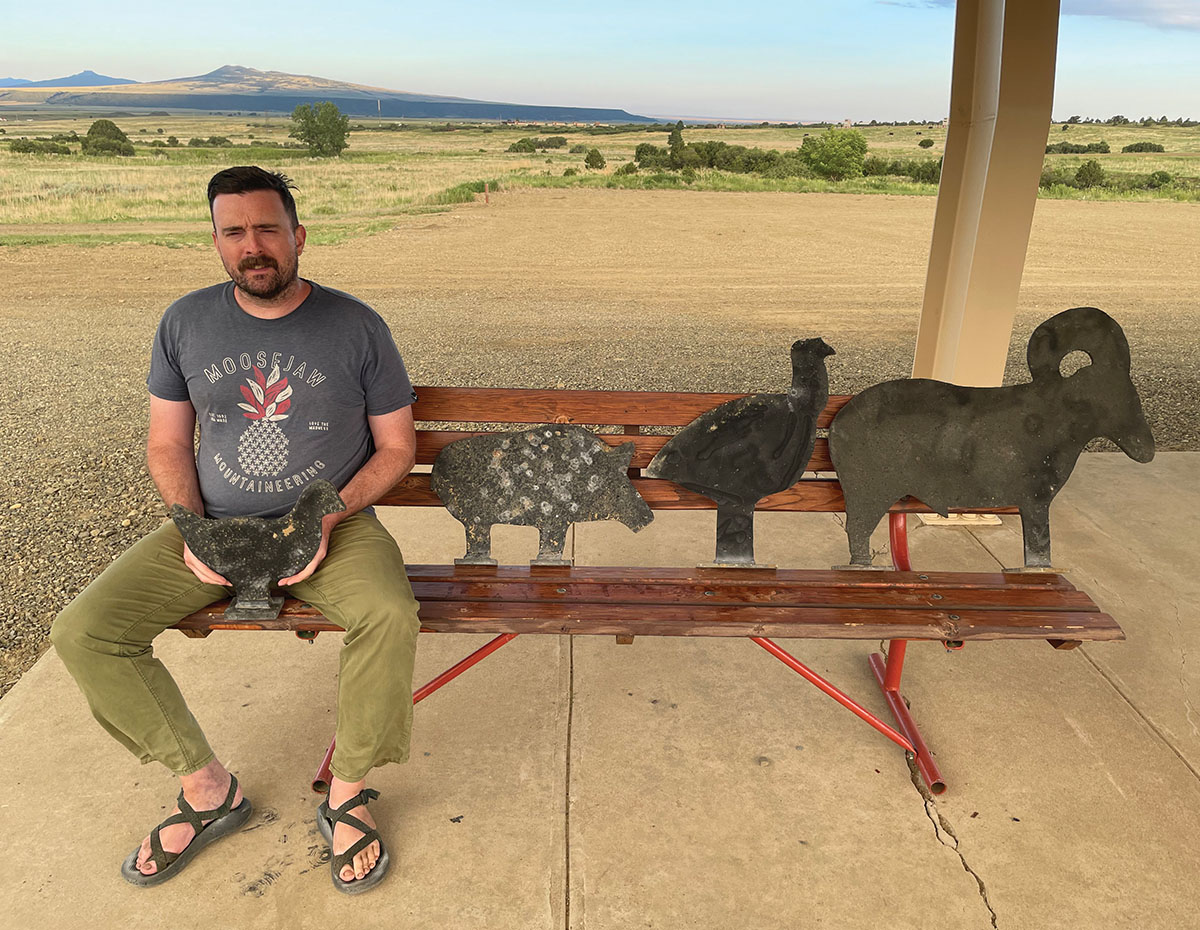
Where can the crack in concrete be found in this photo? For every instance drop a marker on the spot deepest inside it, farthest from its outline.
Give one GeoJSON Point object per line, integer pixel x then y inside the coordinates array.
{"type": "Point", "coordinates": [1155, 728]}
{"type": "Point", "coordinates": [1183, 682]}
{"type": "Point", "coordinates": [942, 825]}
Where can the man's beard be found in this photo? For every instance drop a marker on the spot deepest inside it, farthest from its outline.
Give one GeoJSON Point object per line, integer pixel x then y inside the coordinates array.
{"type": "Point", "coordinates": [264, 287]}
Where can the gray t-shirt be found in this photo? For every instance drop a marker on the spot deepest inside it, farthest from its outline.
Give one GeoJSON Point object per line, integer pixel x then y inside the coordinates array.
{"type": "Point", "coordinates": [280, 402]}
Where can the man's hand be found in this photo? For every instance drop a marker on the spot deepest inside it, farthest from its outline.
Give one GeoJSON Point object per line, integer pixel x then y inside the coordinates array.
{"type": "Point", "coordinates": [200, 570]}
{"type": "Point", "coordinates": [328, 522]}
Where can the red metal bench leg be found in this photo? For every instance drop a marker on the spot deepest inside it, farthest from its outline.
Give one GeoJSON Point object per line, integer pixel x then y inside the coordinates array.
{"type": "Point", "coordinates": [853, 706]}
{"type": "Point", "coordinates": [888, 675]}
{"type": "Point", "coordinates": [320, 783]}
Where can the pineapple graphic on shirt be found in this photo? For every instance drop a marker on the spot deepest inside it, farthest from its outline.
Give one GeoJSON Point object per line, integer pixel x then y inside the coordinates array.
{"type": "Point", "coordinates": [263, 448]}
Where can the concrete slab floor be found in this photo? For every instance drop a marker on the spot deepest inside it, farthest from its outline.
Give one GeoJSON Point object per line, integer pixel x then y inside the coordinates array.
{"type": "Point", "coordinates": [678, 782]}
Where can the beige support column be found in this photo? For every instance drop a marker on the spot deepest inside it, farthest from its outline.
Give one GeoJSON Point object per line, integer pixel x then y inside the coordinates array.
{"type": "Point", "coordinates": [1001, 94]}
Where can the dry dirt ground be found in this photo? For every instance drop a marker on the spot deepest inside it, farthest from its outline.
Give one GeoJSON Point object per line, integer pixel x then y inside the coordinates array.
{"type": "Point", "coordinates": [616, 289]}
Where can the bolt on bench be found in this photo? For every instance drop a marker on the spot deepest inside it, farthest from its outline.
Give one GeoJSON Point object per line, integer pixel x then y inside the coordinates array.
{"type": "Point", "coordinates": [760, 604]}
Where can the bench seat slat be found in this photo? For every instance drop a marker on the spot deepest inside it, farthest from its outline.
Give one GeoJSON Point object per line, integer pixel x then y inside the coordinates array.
{"type": "Point", "coordinates": [722, 620]}
{"type": "Point", "coordinates": [792, 577]}
{"type": "Point", "coordinates": [697, 596]}
{"type": "Point", "coordinates": [623, 408]}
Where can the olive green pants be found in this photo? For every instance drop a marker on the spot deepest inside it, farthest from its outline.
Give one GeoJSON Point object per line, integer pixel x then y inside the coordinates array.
{"type": "Point", "coordinates": [105, 637]}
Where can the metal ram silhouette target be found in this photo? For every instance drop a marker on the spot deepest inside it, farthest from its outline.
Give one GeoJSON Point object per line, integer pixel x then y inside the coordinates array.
{"type": "Point", "coordinates": [951, 446]}
{"type": "Point", "coordinates": [746, 449]}
{"type": "Point", "coordinates": [546, 476]}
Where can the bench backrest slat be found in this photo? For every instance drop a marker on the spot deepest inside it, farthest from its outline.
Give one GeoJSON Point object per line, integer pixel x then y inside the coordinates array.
{"type": "Point", "coordinates": [813, 495]}
{"type": "Point", "coordinates": [431, 442]}
{"type": "Point", "coordinates": [529, 405]}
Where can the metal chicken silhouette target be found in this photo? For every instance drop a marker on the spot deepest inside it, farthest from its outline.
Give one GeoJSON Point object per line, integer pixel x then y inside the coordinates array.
{"type": "Point", "coordinates": [747, 449]}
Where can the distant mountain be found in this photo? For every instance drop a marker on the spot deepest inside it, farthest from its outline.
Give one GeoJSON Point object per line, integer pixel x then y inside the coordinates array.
{"type": "Point", "coordinates": [236, 88]}
{"type": "Point", "coordinates": [82, 79]}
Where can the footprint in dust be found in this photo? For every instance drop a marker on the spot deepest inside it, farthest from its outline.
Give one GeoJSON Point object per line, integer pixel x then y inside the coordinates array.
{"type": "Point", "coordinates": [266, 815]}
{"type": "Point", "coordinates": [271, 873]}
{"type": "Point", "coordinates": [318, 856]}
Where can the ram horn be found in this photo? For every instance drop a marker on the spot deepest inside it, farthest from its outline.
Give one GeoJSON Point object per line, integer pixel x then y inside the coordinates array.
{"type": "Point", "coordinates": [1082, 329]}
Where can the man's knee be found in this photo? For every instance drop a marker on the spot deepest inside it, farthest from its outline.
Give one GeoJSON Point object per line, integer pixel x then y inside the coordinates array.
{"type": "Point", "coordinates": [69, 632]}
{"type": "Point", "coordinates": [393, 620]}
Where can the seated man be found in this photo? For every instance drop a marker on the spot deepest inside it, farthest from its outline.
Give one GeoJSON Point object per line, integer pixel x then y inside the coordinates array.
{"type": "Point", "coordinates": [291, 382]}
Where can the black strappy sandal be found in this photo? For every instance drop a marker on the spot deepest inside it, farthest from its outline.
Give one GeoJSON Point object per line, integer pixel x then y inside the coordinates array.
{"type": "Point", "coordinates": [326, 819]}
{"type": "Point", "coordinates": [222, 821]}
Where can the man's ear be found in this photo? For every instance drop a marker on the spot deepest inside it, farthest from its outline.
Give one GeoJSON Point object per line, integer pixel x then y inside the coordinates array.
{"type": "Point", "coordinates": [301, 232]}
{"type": "Point", "coordinates": [214, 237]}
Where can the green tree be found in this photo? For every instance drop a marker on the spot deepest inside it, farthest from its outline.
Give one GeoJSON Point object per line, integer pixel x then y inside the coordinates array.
{"type": "Point", "coordinates": [594, 160]}
{"type": "Point", "coordinates": [675, 145]}
{"type": "Point", "coordinates": [835, 154]}
{"type": "Point", "coordinates": [926, 143]}
{"type": "Point", "coordinates": [322, 127]}
{"type": "Point", "coordinates": [104, 137]}
{"type": "Point", "coordinates": [1090, 174]}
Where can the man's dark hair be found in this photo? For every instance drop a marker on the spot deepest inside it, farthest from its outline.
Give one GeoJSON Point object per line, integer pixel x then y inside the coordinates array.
{"type": "Point", "coordinates": [245, 178]}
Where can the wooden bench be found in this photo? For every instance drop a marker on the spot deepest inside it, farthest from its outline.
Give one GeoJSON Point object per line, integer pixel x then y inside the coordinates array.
{"type": "Point", "coordinates": [760, 603]}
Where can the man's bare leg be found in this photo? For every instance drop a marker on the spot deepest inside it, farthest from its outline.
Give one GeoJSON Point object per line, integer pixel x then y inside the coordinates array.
{"type": "Point", "coordinates": [205, 790]}
{"type": "Point", "coordinates": [344, 835]}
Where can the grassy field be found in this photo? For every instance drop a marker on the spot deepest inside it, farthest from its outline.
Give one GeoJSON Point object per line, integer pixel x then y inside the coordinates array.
{"type": "Point", "coordinates": [157, 195]}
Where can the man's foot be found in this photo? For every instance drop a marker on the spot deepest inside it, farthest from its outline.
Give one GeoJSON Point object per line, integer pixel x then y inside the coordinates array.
{"type": "Point", "coordinates": [205, 790]}
{"type": "Point", "coordinates": [344, 835]}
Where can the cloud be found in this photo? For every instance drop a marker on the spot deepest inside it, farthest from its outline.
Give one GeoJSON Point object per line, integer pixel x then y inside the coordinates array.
{"type": "Point", "coordinates": [1164, 14]}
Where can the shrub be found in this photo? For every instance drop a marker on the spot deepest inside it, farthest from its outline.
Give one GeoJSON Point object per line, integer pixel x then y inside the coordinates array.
{"type": "Point", "coordinates": [106, 129]}
{"type": "Point", "coordinates": [218, 142]}
{"type": "Point", "coordinates": [688, 174]}
{"type": "Point", "coordinates": [594, 160]}
{"type": "Point", "coordinates": [1057, 175]}
{"type": "Point", "coordinates": [1157, 179]}
{"type": "Point", "coordinates": [628, 168]}
{"type": "Point", "coordinates": [32, 147]}
{"type": "Point", "coordinates": [522, 146]}
{"type": "Point", "coordinates": [195, 143]}
{"type": "Point", "coordinates": [1090, 174]}
{"type": "Point", "coordinates": [1143, 147]}
{"type": "Point", "coordinates": [172, 140]}
{"type": "Point", "coordinates": [579, 149]}
{"type": "Point", "coordinates": [926, 143]}
{"type": "Point", "coordinates": [926, 172]}
{"type": "Point", "coordinates": [1075, 148]}
{"type": "Point", "coordinates": [570, 172]}
{"type": "Point", "coordinates": [104, 137]}
{"type": "Point", "coordinates": [102, 146]}
{"type": "Point", "coordinates": [835, 154]}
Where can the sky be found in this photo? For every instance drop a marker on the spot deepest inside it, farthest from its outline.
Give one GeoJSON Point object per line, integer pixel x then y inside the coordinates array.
{"type": "Point", "coordinates": [771, 59]}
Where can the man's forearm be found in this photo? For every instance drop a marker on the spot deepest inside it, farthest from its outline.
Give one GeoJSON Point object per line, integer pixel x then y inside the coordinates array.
{"type": "Point", "coordinates": [173, 469]}
{"type": "Point", "coordinates": [377, 476]}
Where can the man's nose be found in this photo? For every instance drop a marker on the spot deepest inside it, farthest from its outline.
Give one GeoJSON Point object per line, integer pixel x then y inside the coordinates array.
{"type": "Point", "coordinates": [251, 244]}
